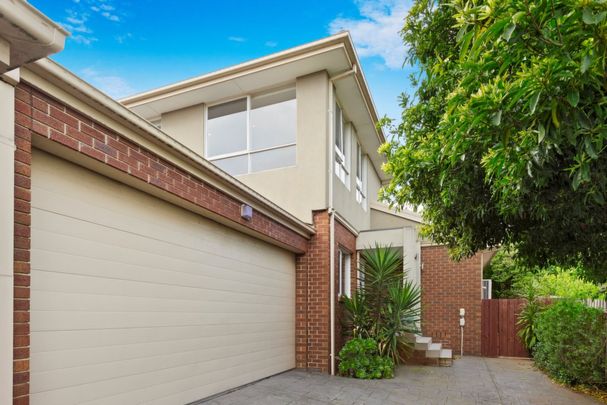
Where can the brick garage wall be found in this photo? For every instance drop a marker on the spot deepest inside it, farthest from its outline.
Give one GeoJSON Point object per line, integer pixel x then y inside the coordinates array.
{"type": "Point", "coordinates": [22, 243]}
{"type": "Point", "coordinates": [38, 114]}
{"type": "Point", "coordinates": [448, 286]}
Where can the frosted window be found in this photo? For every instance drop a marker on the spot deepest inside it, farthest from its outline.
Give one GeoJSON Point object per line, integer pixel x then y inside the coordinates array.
{"type": "Point", "coordinates": [273, 120]}
{"type": "Point", "coordinates": [234, 165]}
{"type": "Point", "coordinates": [227, 128]}
{"type": "Point", "coordinates": [273, 159]}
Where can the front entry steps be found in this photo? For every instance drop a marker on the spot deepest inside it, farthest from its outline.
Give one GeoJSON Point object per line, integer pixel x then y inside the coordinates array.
{"type": "Point", "coordinates": [427, 352]}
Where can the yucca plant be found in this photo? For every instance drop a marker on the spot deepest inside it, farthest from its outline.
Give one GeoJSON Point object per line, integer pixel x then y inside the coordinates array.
{"type": "Point", "coordinates": [386, 306]}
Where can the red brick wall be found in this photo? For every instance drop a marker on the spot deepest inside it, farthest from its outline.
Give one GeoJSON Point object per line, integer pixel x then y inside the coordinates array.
{"type": "Point", "coordinates": [448, 286]}
{"type": "Point", "coordinates": [21, 315]}
{"type": "Point", "coordinates": [312, 300]}
{"type": "Point", "coordinates": [345, 240]}
{"type": "Point", "coordinates": [37, 114]}
{"type": "Point", "coordinates": [313, 345]}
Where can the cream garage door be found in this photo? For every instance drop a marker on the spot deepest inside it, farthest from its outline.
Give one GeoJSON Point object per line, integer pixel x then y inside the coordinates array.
{"type": "Point", "coordinates": [135, 300]}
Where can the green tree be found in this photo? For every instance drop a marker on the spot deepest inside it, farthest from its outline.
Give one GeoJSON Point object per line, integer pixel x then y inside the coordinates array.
{"type": "Point", "coordinates": [504, 139]}
{"type": "Point", "coordinates": [505, 271]}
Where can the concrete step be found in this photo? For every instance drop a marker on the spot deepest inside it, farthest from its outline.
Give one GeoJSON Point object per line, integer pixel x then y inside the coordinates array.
{"type": "Point", "coordinates": [433, 351]}
{"type": "Point", "coordinates": [446, 358]}
{"type": "Point", "coordinates": [422, 342]}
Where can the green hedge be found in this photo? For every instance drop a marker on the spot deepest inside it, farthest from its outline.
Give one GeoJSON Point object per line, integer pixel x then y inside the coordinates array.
{"type": "Point", "coordinates": [359, 358]}
{"type": "Point", "coordinates": [571, 342]}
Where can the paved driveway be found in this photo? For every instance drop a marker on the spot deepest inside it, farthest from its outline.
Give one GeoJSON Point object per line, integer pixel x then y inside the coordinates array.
{"type": "Point", "coordinates": [471, 380]}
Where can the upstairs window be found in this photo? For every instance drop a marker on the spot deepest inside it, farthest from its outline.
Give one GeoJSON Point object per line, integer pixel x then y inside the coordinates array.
{"type": "Point", "coordinates": [361, 177]}
{"type": "Point", "coordinates": [253, 134]}
{"type": "Point", "coordinates": [341, 147]}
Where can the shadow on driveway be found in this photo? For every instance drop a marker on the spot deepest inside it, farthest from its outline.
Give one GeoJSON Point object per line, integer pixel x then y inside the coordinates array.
{"type": "Point", "coordinates": [471, 380]}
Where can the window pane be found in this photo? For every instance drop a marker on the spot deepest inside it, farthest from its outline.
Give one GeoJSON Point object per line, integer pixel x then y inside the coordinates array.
{"type": "Point", "coordinates": [359, 161]}
{"type": "Point", "coordinates": [227, 128]}
{"type": "Point", "coordinates": [338, 128]}
{"type": "Point", "coordinates": [272, 159]}
{"type": "Point", "coordinates": [234, 165]}
{"type": "Point", "coordinates": [273, 119]}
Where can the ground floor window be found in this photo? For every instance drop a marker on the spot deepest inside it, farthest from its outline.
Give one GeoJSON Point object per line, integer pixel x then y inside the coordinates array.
{"type": "Point", "coordinates": [344, 261]}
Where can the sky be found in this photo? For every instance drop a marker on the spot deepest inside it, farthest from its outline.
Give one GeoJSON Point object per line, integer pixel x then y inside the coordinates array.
{"type": "Point", "coordinates": [129, 46]}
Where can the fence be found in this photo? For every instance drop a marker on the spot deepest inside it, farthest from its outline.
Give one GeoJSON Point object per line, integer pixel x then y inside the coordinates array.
{"type": "Point", "coordinates": [600, 304]}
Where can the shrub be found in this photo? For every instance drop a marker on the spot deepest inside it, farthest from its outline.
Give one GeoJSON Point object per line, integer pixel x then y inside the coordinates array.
{"type": "Point", "coordinates": [360, 358]}
{"type": "Point", "coordinates": [527, 321]}
{"type": "Point", "coordinates": [571, 343]}
{"type": "Point", "coordinates": [386, 307]}
{"type": "Point", "coordinates": [555, 281]}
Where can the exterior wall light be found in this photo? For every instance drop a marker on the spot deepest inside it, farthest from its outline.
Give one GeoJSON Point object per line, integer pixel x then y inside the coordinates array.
{"type": "Point", "coordinates": [246, 212]}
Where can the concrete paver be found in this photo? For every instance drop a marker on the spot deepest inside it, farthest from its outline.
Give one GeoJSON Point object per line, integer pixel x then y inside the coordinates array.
{"type": "Point", "coordinates": [471, 380]}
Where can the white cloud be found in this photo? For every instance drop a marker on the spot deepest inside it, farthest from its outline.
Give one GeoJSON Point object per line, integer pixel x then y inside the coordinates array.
{"type": "Point", "coordinates": [110, 16]}
{"type": "Point", "coordinates": [81, 39]}
{"type": "Point", "coordinates": [236, 39]}
{"type": "Point", "coordinates": [76, 22]}
{"type": "Point", "coordinates": [85, 13]}
{"type": "Point", "coordinates": [121, 39]}
{"type": "Point", "coordinates": [271, 44]}
{"type": "Point", "coordinates": [114, 85]}
{"type": "Point", "coordinates": [376, 31]}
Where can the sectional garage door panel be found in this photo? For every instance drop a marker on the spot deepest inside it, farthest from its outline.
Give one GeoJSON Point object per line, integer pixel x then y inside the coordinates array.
{"type": "Point", "coordinates": [135, 300]}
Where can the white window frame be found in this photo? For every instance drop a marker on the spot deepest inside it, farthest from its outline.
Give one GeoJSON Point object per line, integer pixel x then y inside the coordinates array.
{"type": "Point", "coordinates": [248, 152]}
{"type": "Point", "coordinates": [360, 276]}
{"type": "Point", "coordinates": [341, 156]}
{"type": "Point", "coordinates": [361, 177]}
{"type": "Point", "coordinates": [344, 265]}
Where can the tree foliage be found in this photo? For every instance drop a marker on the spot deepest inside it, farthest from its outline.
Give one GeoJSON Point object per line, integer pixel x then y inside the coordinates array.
{"type": "Point", "coordinates": [504, 140]}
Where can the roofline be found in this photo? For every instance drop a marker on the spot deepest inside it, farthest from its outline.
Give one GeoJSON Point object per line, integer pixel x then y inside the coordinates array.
{"type": "Point", "coordinates": [16, 14]}
{"type": "Point", "coordinates": [74, 85]}
{"type": "Point", "coordinates": [342, 38]}
{"type": "Point", "coordinates": [406, 214]}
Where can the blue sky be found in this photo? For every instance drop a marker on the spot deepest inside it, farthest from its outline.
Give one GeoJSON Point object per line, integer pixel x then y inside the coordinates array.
{"type": "Point", "coordinates": [125, 47]}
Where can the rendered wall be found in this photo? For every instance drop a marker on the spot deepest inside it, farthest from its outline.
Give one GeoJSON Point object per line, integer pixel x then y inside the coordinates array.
{"type": "Point", "coordinates": [187, 126]}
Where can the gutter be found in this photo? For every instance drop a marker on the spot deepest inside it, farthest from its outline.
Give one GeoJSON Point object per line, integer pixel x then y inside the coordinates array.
{"type": "Point", "coordinates": [30, 26]}
{"type": "Point", "coordinates": [74, 85]}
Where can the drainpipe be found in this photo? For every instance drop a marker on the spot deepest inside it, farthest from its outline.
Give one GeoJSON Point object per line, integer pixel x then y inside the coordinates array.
{"type": "Point", "coordinates": [331, 209]}
{"type": "Point", "coordinates": [7, 185]}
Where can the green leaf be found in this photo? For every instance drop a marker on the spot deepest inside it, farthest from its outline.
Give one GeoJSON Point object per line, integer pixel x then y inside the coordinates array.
{"type": "Point", "coordinates": [508, 32]}
{"type": "Point", "coordinates": [590, 18]}
{"type": "Point", "coordinates": [533, 102]}
{"type": "Point", "coordinates": [586, 62]}
{"type": "Point", "coordinates": [465, 44]}
{"type": "Point", "coordinates": [496, 119]}
{"type": "Point", "coordinates": [541, 133]}
{"type": "Point", "coordinates": [598, 198]}
{"type": "Point", "coordinates": [555, 119]}
{"type": "Point", "coordinates": [573, 97]}
{"type": "Point", "coordinates": [589, 147]}
{"type": "Point", "coordinates": [577, 178]}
